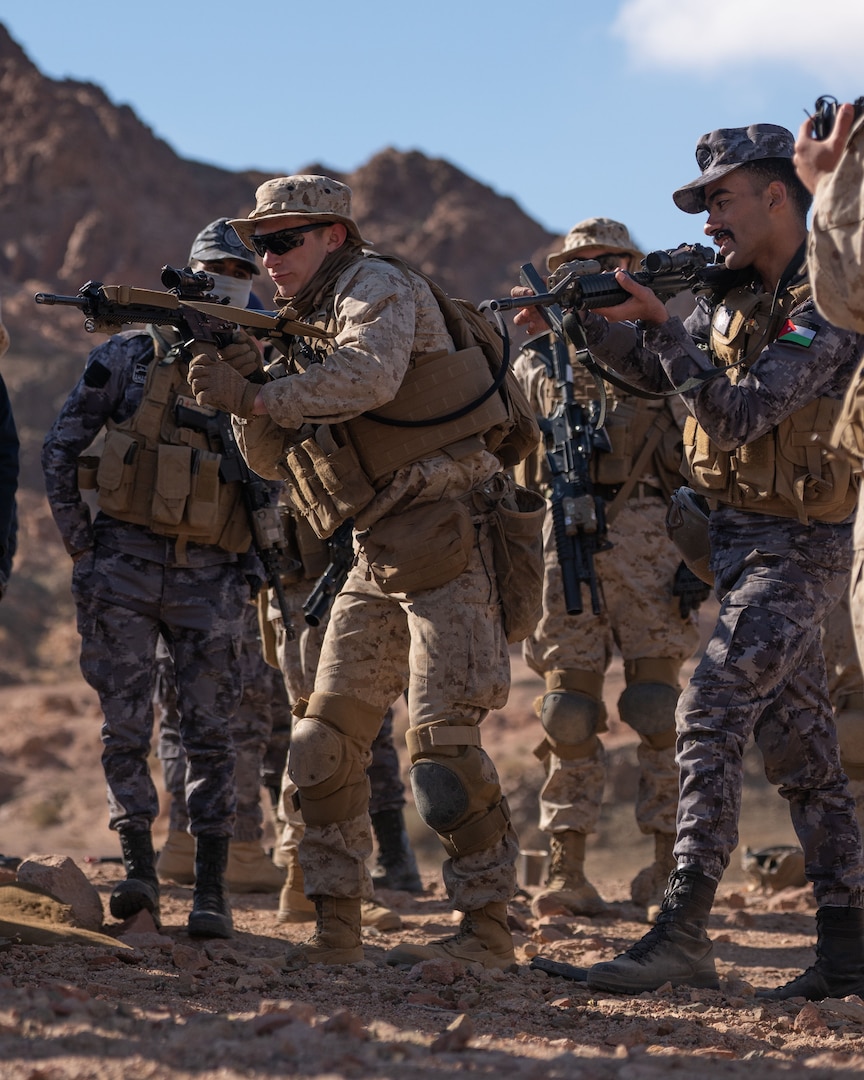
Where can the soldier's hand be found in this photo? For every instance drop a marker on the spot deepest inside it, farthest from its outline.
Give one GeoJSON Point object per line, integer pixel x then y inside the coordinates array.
{"type": "Point", "coordinates": [218, 385]}
{"type": "Point", "coordinates": [642, 305]}
{"type": "Point", "coordinates": [243, 354]}
{"type": "Point", "coordinates": [529, 317]}
{"type": "Point", "coordinates": [814, 159]}
{"type": "Point", "coordinates": [690, 590]}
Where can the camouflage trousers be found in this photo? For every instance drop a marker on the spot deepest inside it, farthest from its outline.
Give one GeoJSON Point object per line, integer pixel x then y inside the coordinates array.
{"type": "Point", "coordinates": [447, 647]}
{"type": "Point", "coordinates": [124, 603]}
{"type": "Point", "coordinates": [763, 673]}
{"type": "Point", "coordinates": [260, 728]}
{"type": "Point", "coordinates": [640, 618]}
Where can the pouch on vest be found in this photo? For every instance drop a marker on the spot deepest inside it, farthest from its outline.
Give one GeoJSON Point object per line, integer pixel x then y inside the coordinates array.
{"type": "Point", "coordinates": [326, 488]}
{"type": "Point", "coordinates": [516, 522]}
{"type": "Point", "coordinates": [88, 466]}
{"type": "Point", "coordinates": [203, 506]}
{"type": "Point", "coordinates": [116, 473]}
{"type": "Point", "coordinates": [422, 548]}
{"type": "Point", "coordinates": [173, 481]}
{"type": "Point", "coordinates": [708, 467]}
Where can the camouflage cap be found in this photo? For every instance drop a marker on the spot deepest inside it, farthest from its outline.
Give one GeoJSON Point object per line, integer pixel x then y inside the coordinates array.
{"type": "Point", "coordinates": [592, 237]}
{"type": "Point", "coordinates": [218, 240]}
{"type": "Point", "coordinates": [721, 151]}
{"type": "Point", "coordinates": [317, 198]}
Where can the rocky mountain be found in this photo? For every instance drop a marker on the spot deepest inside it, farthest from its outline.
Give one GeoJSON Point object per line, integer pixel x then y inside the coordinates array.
{"type": "Point", "coordinates": [88, 192]}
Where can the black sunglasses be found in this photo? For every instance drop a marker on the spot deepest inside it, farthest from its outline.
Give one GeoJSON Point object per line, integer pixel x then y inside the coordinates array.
{"type": "Point", "coordinates": [278, 243]}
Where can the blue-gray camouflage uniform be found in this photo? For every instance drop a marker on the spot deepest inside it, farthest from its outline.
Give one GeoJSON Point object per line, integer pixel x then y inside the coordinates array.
{"type": "Point", "coordinates": [776, 579]}
{"type": "Point", "coordinates": [130, 585]}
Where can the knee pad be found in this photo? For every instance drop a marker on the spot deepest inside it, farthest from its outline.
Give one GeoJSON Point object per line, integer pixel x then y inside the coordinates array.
{"type": "Point", "coordinates": [571, 721]}
{"type": "Point", "coordinates": [850, 737]}
{"type": "Point", "coordinates": [328, 757]}
{"type": "Point", "coordinates": [456, 788]}
{"type": "Point", "coordinates": [649, 708]}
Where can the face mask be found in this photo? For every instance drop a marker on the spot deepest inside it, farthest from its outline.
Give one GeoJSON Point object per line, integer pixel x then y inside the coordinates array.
{"type": "Point", "coordinates": [237, 290]}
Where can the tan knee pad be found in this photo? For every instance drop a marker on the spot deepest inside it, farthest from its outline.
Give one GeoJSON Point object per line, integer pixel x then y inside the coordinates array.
{"type": "Point", "coordinates": [329, 755]}
{"type": "Point", "coordinates": [572, 714]}
{"type": "Point", "coordinates": [850, 736]}
{"type": "Point", "coordinates": [648, 702]}
{"type": "Point", "coordinates": [456, 788]}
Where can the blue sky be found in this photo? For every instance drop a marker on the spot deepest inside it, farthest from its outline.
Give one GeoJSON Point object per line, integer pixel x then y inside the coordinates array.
{"type": "Point", "coordinates": [574, 109]}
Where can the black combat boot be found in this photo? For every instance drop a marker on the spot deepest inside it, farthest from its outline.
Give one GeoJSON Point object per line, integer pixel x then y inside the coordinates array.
{"type": "Point", "coordinates": [140, 890]}
{"type": "Point", "coordinates": [396, 867]}
{"type": "Point", "coordinates": [211, 915]}
{"type": "Point", "coordinates": [839, 967]}
{"type": "Point", "coordinates": [675, 950]}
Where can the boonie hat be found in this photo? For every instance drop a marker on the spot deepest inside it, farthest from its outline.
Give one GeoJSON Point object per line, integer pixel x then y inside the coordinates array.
{"type": "Point", "coordinates": [218, 240]}
{"type": "Point", "coordinates": [721, 151]}
{"type": "Point", "coordinates": [316, 198]}
{"type": "Point", "coordinates": [591, 237]}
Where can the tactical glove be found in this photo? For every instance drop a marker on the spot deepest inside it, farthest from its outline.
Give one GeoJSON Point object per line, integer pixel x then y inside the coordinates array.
{"type": "Point", "coordinates": [689, 589]}
{"type": "Point", "coordinates": [243, 355]}
{"type": "Point", "coordinates": [218, 385]}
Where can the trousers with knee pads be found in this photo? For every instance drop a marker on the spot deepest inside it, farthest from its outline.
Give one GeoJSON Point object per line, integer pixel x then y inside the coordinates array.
{"type": "Point", "coordinates": [572, 715]}
{"type": "Point", "coordinates": [647, 704]}
{"type": "Point", "coordinates": [329, 754]}
{"type": "Point", "coordinates": [456, 788]}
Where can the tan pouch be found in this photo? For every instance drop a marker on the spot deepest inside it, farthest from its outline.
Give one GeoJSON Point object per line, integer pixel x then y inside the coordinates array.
{"type": "Point", "coordinates": [115, 474]}
{"type": "Point", "coordinates": [88, 465]}
{"type": "Point", "coordinates": [202, 508]}
{"type": "Point", "coordinates": [326, 488]}
{"type": "Point", "coordinates": [423, 548]}
{"type": "Point", "coordinates": [173, 480]}
{"type": "Point", "coordinates": [517, 538]}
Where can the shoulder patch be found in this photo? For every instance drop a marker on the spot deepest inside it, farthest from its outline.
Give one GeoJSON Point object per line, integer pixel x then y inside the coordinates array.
{"type": "Point", "coordinates": [139, 373]}
{"type": "Point", "coordinates": [796, 334]}
{"type": "Point", "coordinates": [96, 375]}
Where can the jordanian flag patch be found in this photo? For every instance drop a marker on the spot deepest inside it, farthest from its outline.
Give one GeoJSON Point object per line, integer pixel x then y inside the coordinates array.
{"type": "Point", "coordinates": [794, 334]}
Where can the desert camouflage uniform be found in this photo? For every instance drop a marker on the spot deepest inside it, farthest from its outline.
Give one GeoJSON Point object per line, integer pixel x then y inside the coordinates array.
{"type": "Point", "coordinates": [763, 672]}
{"type": "Point", "coordinates": [639, 616]}
{"type": "Point", "coordinates": [447, 644]}
{"type": "Point", "coordinates": [129, 587]}
{"type": "Point", "coordinates": [846, 692]}
{"type": "Point", "coordinates": [260, 726]}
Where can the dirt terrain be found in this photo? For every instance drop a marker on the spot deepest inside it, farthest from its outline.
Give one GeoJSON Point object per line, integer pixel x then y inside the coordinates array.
{"type": "Point", "coordinates": [165, 1006]}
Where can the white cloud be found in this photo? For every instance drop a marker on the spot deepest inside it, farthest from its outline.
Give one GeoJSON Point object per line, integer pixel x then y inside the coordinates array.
{"type": "Point", "coordinates": [821, 38]}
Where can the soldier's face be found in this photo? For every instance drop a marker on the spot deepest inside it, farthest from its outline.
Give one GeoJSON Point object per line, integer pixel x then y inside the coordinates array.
{"type": "Point", "coordinates": [738, 218]}
{"type": "Point", "coordinates": [292, 271]}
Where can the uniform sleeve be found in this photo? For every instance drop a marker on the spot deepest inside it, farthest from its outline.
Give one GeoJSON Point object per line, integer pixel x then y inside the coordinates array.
{"type": "Point", "coordinates": [8, 482]}
{"type": "Point", "coordinates": [375, 325]}
{"type": "Point", "coordinates": [102, 393]}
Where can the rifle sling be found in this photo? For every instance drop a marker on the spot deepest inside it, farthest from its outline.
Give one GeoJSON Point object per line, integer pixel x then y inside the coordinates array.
{"type": "Point", "coordinates": [658, 429]}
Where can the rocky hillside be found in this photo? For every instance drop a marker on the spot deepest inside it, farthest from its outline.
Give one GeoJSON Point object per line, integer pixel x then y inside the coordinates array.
{"type": "Point", "coordinates": [87, 191]}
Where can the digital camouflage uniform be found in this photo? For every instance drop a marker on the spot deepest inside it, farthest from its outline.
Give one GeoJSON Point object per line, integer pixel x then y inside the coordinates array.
{"type": "Point", "coordinates": [8, 477]}
{"type": "Point", "coordinates": [639, 616]}
{"type": "Point", "coordinates": [846, 693]}
{"type": "Point", "coordinates": [132, 585]}
{"type": "Point", "coordinates": [445, 644]}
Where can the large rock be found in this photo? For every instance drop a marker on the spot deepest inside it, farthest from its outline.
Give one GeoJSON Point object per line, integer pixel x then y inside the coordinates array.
{"type": "Point", "coordinates": [60, 877]}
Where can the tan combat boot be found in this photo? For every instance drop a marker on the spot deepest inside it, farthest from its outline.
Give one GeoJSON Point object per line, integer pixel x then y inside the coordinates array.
{"type": "Point", "coordinates": [567, 890]}
{"type": "Point", "coordinates": [483, 938]}
{"type": "Point", "coordinates": [176, 860]}
{"type": "Point", "coordinates": [336, 939]}
{"type": "Point", "coordinates": [294, 905]}
{"type": "Point", "coordinates": [251, 870]}
{"type": "Point", "coordinates": [378, 916]}
{"type": "Point", "coordinates": [648, 888]}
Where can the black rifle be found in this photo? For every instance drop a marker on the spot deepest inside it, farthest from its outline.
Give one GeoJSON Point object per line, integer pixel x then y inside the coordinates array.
{"type": "Point", "coordinates": [573, 434]}
{"type": "Point", "coordinates": [317, 603]}
{"type": "Point", "coordinates": [825, 113]}
{"type": "Point", "coordinates": [205, 325]}
{"type": "Point", "coordinates": [666, 273]}
{"type": "Point", "coordinates": [262, 513]}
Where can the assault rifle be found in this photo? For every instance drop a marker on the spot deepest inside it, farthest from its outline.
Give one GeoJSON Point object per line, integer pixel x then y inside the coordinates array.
{"type": "Point", "coordinates": [188, 304]}
{"type": "Point", "coordinates": [317, 603]}
{"type": "Point", "coordinates": [205, 325]}
{"type": "Point", "coordinates": [666, 273]}
{"type": "Point", "coordinates": [573, 434]}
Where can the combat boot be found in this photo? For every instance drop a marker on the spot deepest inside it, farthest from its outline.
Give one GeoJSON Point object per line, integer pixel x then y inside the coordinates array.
{"type": "Point", "coordinates": [176, 860]}
{"type": "Point", "coordinates": [140, 890]}
{"type": "Point", "coordinates": [294, 905]}
{"type": "Point", "coordinates": [250, 870]}
{"type": "Point", "coordinates": [675, 950]}
{"type": "Point", "coordinates": [396, 867]}
{"type": "Point", "coordinates": [839, 967]}
{"type": "Point", "coordinates": [483, 938]}
{"type": "Point", "coordinates": [211, 914]}
{"type": "Point", "coordinates": [567, 891]}
{"type": "Point", "coordinates": [336, 939]}
{"type": "Point", "coordinates": [648, 888]}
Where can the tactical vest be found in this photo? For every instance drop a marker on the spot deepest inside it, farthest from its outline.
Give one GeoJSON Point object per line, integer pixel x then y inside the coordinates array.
{"type": "Point", "coordinates": [630, 422]}
{"type": "Point", "coordinates": [787, 471]}
{"type": "Point", "coordinates": [157, 473]}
